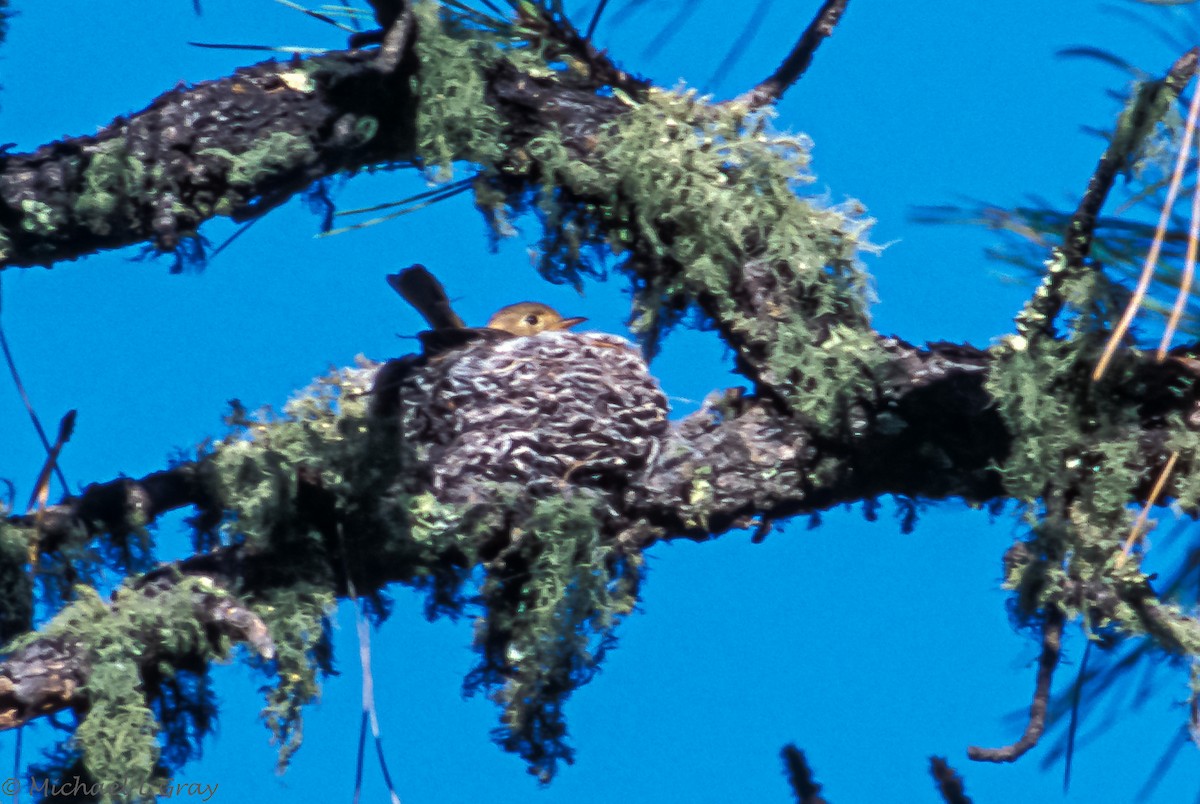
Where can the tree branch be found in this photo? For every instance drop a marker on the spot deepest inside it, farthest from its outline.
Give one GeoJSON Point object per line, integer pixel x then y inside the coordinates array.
{"type": "Point", "coordinates": [1052, 630]}
{"type": "Point", "coordinates": [771, 89]}
{"type": "Point", "coordinates": [50, 673]}
{"type": "Point", "coordinates": [1136, 123]}
{"type": "Point", "coordinates": [949, 783]}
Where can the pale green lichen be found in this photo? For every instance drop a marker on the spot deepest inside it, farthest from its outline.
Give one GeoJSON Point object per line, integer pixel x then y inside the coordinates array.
{"type": "Point", "coordinates": [1076, 464]}
{"type": "Point", "coordinates": [118, 738]}
{"type": "Point", "coordinates": [39, 217]}
{"type": "Point", "coordinates": [270, 155]}
{"type": "Point", "coordinates": [297, 619]}
{"type": "Point", "coordinates": [111, 180]}
{"type": "Point", "coordinates": [707, 195]}
{"type": "Point", "coordinates": [454, 120]}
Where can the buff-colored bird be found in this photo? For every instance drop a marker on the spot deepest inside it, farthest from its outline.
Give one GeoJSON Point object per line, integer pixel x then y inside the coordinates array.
{"type": "Point", "coordinates": [425, 293]}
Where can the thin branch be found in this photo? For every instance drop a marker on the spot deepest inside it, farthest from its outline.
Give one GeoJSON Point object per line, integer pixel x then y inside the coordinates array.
{"type": "Point", "coordinates": [1052, 630]}
{"type": "Point", "coordinates": [591, 29]}
{"type": "Point", "coordinates": [1139, 524]}
{"type": "Point", "coordinates": [20, 386]}
{"type": "Point", "coordinates": [1148, 268]}
{"type": "Point", "coordinates": [800, 776]}
{"type": "Point", "coordinates": [1040, 311]}
{"type": "Point", "coordinates": [949, 783]}
{"type": "Point", "coordinates": [797, 62]}
{"type": "Point", "coordinates": [1073, 726]}
{"type": "Point", "coordinates": [1189, 262]}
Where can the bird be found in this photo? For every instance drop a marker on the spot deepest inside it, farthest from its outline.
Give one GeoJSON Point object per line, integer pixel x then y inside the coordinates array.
{"type": "Point", "coordinates": [530, 318]}
{"type": "Point", "coordinates": [425, 293]}
{"type": "Point", "coordinates": [448, 334]}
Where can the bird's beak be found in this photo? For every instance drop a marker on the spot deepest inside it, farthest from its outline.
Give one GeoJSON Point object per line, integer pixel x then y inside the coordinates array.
{"type": "Point", "coordinates": [567, 323]}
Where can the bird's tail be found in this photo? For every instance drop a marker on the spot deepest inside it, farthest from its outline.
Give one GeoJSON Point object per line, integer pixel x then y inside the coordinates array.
{"type": "Point", "coordinates": [424, 292]}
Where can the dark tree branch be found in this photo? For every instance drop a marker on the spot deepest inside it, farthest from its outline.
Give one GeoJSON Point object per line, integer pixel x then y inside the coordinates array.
{"type": "Point", "coordinates": [934, 433]}
{"type": "Point", "coordinates": [322, 116]}
{"type": "Point", "coordinates": [1140, 117]}
{"type": "Point", "coordinates": [797, 62]}
{"type": "Point", "coordinates": [1052, 630]}
{"type": "Point", "coordinates": [949, 783]}
{"type": "Point", "coordinates": [591, 29]}
{"type": "Point", "coordinates": [800, 776]}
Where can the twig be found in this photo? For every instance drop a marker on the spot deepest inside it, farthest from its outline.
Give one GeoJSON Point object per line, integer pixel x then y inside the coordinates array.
{"type": "Point", "coordinates": [600, 67]}
{"type": "Point", "coordinates": [1140, 523]}
{"type": "Point", "coordinates": [370, 714]}
{"type": "Point", "coordinates": [800, 776]}
{"type": "Point", "coordinates": [41, 486]}
{"type": "Point", "coordinates": [591, 29]}
{"type": "Point", "coordinates": [1139, 293]}
{"type": "Point", "coordinates": [1052, 630]}
{"type": "Point", "coordinates": [821, 27]}
{"type": "Point", "coordinates": [949, 783]}
{"type": "Point", "coordinates": [1039, 312]}
{"type": "Point", "coordinates": [1073, 726]}
{"type": "Point", "coordinates": [20, 386]}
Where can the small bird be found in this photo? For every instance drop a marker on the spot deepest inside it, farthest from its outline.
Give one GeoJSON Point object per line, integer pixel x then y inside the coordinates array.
{"type": "Point", "coordinates": [425, 293]}
{"type": "Point", "coordinates": [530, 318]}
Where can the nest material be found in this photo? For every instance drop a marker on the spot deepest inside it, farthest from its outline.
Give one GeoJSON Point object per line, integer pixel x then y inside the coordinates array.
{"type": "Point", "coordinates": [544, 412]}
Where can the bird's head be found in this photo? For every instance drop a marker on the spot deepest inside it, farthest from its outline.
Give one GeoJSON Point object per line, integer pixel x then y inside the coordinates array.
{"type": "Point", "coordinates": [530, 318]}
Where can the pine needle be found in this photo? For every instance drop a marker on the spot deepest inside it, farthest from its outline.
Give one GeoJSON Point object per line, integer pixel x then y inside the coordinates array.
{"type": "Point", "coordinates": [1144, 514]}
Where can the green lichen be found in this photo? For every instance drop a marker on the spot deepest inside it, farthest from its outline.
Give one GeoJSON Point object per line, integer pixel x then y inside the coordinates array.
{"type": "Point", "coordinates": [16, 587]}
{"type": "Point", "coordinates": [553, 598]}
{"type": "Point", "coordinates": [454, 120]}
{"type": "Point", "coordinates": [298, 620]}
{"type": "Point", "coordinates": [118, 738]}
{"type": "Point", "coordinates": [111, 180]}
{"type": "Point", "coordinates": [1076, 465]}
{"type": "Point", "coordinates": [40, 218]}
{"type": "Point", "coordinates": [275, 153]}
{"type": "Point", "coordinates": [705, 200]}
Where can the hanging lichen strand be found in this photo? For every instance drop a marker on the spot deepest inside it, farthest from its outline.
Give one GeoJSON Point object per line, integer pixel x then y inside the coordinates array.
{"type": "Point", "coordinates": [700, 199]}
{"type": "Point", "coordinates": [1076, 468]}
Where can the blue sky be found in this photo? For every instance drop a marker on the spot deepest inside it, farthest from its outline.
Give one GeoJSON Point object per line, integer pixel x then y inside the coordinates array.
{"type": "Point", "coordinates": [869, 649]}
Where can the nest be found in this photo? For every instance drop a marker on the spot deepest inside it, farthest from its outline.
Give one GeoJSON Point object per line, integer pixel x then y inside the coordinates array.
{"type": "Point", "coordinates": [543, 413]}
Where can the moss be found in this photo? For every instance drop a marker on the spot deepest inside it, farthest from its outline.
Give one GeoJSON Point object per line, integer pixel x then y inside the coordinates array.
{"type": "Point", "coordinates": [1076, 465]}
{"type": "Point", "coordinates": [118, 738]}
{"type": "Point", "coordinates": [16, 587]}
{"type": "Point", "coordinates": [553, 598]}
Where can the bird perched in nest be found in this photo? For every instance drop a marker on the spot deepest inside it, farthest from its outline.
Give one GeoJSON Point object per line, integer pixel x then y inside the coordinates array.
{"type": "Point", "coordinates": [522, 401]}
{"type": "Point", "coordinates": [425, 293]}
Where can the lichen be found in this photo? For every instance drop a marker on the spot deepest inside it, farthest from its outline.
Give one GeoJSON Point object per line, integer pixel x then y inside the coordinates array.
{"type": "Point", "coordinates": [112, 179]}
{"type": "Point", "coordinates": [704, 198]}
{"type": "Point", "coordinates": [454, 121]}
{"type": "Point", "coordinates": [298, 620]}
{"type": "Point", "coordinates": [1076, 467]}
{"type": "Point", "coordinates": [270, 155]}
{"type": "Point", "coordinates": [118, 737]}
{"type": "Point", "coordinates": [552, 598]}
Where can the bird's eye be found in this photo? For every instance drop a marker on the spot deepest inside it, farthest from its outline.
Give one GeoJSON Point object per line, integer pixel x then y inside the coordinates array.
{"type": "Point", "coordinates": [531, 320]}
